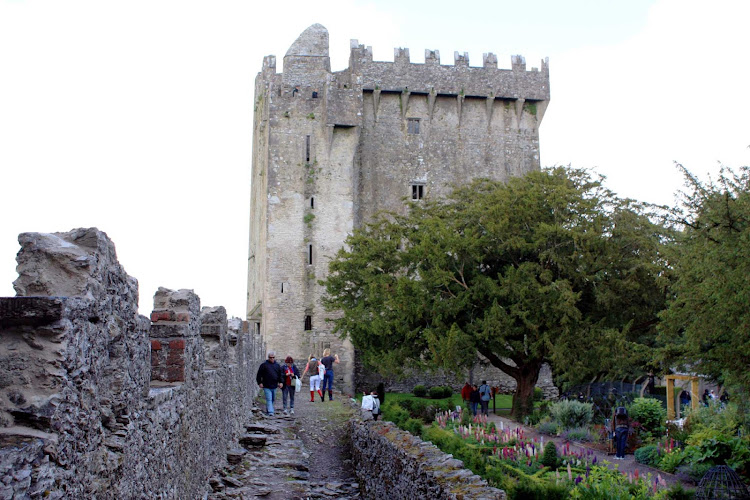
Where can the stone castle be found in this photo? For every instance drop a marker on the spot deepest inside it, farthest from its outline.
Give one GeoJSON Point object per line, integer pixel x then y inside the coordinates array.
{"type": "Point", "coordinates": [330, 149]}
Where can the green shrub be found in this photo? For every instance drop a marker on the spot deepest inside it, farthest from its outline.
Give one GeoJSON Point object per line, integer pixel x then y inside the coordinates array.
{"type": "Point", "coordinates": [424, 408]}
{"type": "Point", "coordinates": [670, 461]}
{"type": "Point", "coordinates": [678, 492]}
{"type": "Point", "coordinates": [529, 490]}
{"type": "Point", "coordinates": [549, 458]}
{"type": "Point", "coordinates": [420, 391]}
{"type": "Point", "coordinates": [694, 470]}
{"type": "Point", "coordinates": [440, 392]}
{"type": "Point", "coordinates": [647, 455]}
{"type": "Point", "coordinates": [414, 426]}
{"type": "Point", "coordinates": [538, 394]}
{"type": "Point", "coordinates": [548, 427]}
{"type": "Point", "coordinates": [571, 414]}
{"type": "Point", "coordinates": [395, 413]}
{"type": "Point", "coordinates": [649, 413]}
{"type": "Point", "coordinates": [580, 434]}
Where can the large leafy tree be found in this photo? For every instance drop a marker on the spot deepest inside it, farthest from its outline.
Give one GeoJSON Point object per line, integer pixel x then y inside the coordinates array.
{"type": "Point", "coordinates": [550, 267]}
{"type": "Point", "coordinates": [706, 328]}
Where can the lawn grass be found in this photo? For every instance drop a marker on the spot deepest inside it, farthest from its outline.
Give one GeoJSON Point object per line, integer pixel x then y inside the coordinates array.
{"type": "Point", "coordinates": [502, 401]}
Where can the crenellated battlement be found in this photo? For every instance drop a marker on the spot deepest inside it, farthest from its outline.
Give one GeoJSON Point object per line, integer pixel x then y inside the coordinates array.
{"type": "Point", "coordinates": [460, 78]}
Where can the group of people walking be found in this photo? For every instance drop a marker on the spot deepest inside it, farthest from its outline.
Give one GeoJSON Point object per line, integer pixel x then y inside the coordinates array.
{"type": "Point", "coordinates": [477, 397]}
{"type": "Point", "coordinates": [273, 376]}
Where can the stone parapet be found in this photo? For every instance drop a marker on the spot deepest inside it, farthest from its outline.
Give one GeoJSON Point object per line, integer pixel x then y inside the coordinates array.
{"type": "Point", "coordinates": [81, 415]}
{"type": "Point", "coordinates": [391, 463]}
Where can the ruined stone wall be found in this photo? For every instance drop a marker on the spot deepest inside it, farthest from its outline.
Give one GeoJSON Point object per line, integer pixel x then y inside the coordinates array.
{"type": "Point", "coordinates": [391, 463]}
{"type": "Point", "coordinates": [98, 401]}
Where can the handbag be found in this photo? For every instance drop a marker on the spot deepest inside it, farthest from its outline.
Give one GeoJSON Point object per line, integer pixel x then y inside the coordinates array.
{"type": "Point", "coordinates": [297, 384]}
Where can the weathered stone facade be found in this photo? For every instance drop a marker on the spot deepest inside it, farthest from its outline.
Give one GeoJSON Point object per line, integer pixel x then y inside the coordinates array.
{"type": "Point", "coordinates": [391, 463]}
{"type": "Point", "coordinates": [330, 149]}
{"type": "Point", "coordinates": [97, 401]}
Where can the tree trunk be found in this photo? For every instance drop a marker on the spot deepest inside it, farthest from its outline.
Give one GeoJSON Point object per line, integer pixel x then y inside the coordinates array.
{"type": "Point", "coordinates": [523, 399]}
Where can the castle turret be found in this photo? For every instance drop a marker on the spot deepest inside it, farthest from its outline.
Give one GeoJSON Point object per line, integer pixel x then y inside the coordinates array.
{"type": "Point", "coordinates": [306, 63]}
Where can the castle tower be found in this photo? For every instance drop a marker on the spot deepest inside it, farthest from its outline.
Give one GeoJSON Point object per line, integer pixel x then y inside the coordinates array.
{"type": "Point", "coordinates": [330, 149]}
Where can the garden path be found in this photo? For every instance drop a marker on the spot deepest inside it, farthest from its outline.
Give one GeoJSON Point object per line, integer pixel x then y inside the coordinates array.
{"type": "Point", "coordinates": [288, 457]}
{"type": "Point", "coordinates": [628, 465]}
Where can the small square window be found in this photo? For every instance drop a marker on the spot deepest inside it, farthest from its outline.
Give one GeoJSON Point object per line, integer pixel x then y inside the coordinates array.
{"type": "Point", "coordinates": [412, 126]}
{"type": "Point", "coordinates": [417, 191]}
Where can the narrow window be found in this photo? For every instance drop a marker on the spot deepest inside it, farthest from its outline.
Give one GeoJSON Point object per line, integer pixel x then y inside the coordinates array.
{"type": "Point", "coordinates": [309, 254]}
{"type": "Point", "coordinates": [412, 126]}
{"type": "Point", "coordinates": [282, 287]}
{"type": "Point", "coordinates": [285, 287]}
{"type": "Point", "coordinates": [315, 94]}
{"type": "Point", "coordinates": [308, 323]}
{"type": "Point", "coordinates": [307, 148]}
{"type": "Point", "coordinates": [312, 202]}
{"type": "Point", "coordinates": [417, 191]}
{"type": "Point", "coordinates": [257, 328]}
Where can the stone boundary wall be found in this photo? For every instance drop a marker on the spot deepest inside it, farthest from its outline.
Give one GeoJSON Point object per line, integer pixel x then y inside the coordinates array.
{"type": "Point", "coordinates": [96, 401]}
{"type": "Point", "coordinates": [367, 380]}
{"type": "Point", "coordinates": [392, 463]}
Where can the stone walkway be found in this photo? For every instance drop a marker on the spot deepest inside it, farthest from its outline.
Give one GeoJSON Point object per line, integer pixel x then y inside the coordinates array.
{"type": "Point", "coordinates": [299, 456]}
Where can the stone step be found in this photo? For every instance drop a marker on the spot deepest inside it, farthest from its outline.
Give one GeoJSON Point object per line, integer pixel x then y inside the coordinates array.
{"type": "Point", "coordinates": [253, 440]}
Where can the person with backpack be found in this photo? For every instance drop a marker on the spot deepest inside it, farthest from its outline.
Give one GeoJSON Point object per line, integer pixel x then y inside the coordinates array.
{"type": "Point", "coordinates": [328, 361]}
{"type": "Point", "coordinates": [269, 377]}
{"type": "Point", "coordinates": [485, 393]}
{"type": "Point", "coordinates": [620, 426]}
{"type": "Point", "coordinates": [287, 391]}
{"type": "Point", "coordinates": [314, 367]}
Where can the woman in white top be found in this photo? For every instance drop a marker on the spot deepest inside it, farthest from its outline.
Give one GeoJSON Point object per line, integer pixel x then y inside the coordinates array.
{"type": "Point", "coordinates": [312, 366]}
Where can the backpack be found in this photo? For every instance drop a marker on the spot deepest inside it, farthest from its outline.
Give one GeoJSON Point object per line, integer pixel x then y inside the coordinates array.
{"type": "Point", "coordinates": [484, 391]}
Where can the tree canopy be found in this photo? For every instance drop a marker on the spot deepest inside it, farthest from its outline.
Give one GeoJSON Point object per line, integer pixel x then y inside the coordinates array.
{"type": "Point", "coordinates": [549, 267]}
{"type": "Point", "coordinates": [706, 328]}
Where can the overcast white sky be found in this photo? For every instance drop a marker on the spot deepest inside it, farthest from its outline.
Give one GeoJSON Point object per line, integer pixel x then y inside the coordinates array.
{"type": "Point", "coordinates": [136, 116]}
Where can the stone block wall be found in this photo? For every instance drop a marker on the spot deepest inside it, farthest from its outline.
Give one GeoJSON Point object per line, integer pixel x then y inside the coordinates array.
{"type": "Point", "coordinates": [96, 401]}
{"type": "Point", "coordinates": [391, 463]}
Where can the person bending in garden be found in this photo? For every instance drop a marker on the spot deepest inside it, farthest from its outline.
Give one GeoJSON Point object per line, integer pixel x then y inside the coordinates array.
{"type": "Point", "coordinates": [620, 426]}
{"type": "Point", "coordinates": [328, 361]}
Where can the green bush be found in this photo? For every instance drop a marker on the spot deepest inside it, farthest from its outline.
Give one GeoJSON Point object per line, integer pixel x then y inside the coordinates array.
{"type": "Point", "coordinates": [580, 434]}
{"type": "Point", "coordinates": [549, 458]}
{"type": "Point", "coordinates": [548, 427]}
{"type": "Point", "coordinates": [528, 490]}
{"type": "Point", "coordinates": [649, 413]}
{"type": "Point", "coordinates": [424, 408]}
{"type": "Point", "coordinates": [420, 391]}
{"type": "Point", "coordinates": [678, 492]}
{"type": "Point", "coordinates": [571, 414]}
{"type": "Point", "coordinates": [538, 394]}
{"type": "Point", "coordinates": [440, 392]}
{"type": "Point", "coordinates": [670, 461]}
{"type": "Point", "coordinates": [414, 426]}
{"type": "Point", "coordinates": [395, 413]}
{"type": "Point", "coordinates": [647, 455]}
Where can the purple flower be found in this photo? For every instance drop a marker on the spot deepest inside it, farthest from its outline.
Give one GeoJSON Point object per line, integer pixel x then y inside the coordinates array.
{"type": "Point", "coordinates": [578, 479]}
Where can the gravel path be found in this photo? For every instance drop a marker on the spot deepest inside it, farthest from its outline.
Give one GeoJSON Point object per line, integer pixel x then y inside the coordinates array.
{"type": "Point", "coordinates": [286, 457]}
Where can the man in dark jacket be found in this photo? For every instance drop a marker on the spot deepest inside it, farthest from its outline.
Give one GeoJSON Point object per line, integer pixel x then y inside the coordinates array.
{"type": "Point", "coordinates": [269, 378]}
